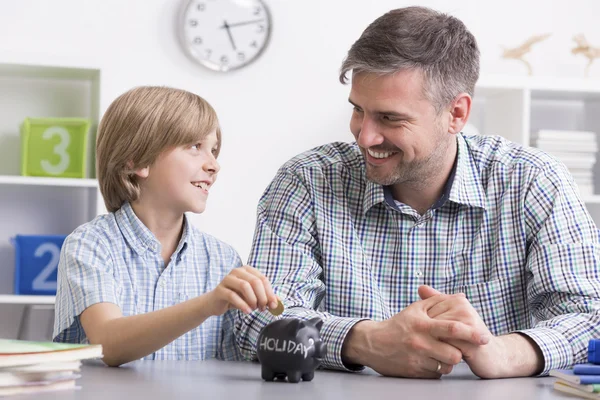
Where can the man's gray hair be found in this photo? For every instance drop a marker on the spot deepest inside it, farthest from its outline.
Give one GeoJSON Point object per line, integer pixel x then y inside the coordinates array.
{"type": "Point", "coordinates": [437, 44]}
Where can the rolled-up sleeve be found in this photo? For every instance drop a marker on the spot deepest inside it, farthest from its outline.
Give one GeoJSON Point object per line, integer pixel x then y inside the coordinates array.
{"type": "Point", "coordinates": [287, 251]}
{"type": "Point", "coordinates": [85, 277]}
{"type": "Point", "coordinates": [564, 260]}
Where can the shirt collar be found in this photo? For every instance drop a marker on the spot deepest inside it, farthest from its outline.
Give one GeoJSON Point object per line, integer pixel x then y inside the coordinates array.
{"type": "Point", "coordinates": [374, 194]}
{"type": "Point", "coordinates": [463, 185]}
{"type": "Point", "coordinates": [466, 188]}
{"type": "Point", "coordinates": [141, 239]}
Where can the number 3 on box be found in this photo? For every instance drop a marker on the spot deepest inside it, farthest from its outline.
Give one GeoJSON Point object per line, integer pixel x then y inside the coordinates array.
{"type": "Point", "coordinates": [59, 149]}
{"type": "Point", "coordinates": [40, 282]}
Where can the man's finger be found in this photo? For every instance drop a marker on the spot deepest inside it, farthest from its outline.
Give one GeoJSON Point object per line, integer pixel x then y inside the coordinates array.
{"type": "Point", "coordinates": [433, 300]}
{"type": "Point", "coordinates": [440, 308]}
{"type": "Point", "coordinates": [444, 368]}
{"type": "Point", "coordinates": [426, 292]}
{"type": "Point", "coordinates": [453, 330]}
{"type": "Point", "coordinates": [446, 353]}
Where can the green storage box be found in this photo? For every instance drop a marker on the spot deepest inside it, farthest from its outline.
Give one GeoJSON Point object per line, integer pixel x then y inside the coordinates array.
{"type": "Point", "coordinates": [55, 147]}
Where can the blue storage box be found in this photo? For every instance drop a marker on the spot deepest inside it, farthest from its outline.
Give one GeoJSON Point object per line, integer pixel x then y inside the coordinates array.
{"type": "Point", "coordinates": [36, 263]}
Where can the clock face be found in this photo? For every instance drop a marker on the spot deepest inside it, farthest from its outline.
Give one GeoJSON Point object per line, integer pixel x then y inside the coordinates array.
{"type": "Point", "coordinates": [224, 35]}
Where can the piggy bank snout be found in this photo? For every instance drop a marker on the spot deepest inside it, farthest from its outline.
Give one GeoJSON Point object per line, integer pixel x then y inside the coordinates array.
{"type": "Point", "coordinates": [320, 350]}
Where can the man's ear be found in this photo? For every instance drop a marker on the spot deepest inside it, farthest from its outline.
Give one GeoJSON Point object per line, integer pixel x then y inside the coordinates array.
{"type": "Point", "coordinates": [460, 109]}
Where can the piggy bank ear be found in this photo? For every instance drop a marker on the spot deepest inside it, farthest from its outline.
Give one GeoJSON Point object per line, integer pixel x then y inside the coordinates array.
{"type": "Point", "coordinates": [293, 326]}
{"type": "Point", "coordinates": [317, 322]}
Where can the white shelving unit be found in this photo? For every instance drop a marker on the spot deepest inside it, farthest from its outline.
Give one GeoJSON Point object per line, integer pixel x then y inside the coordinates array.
{"type": "Point", "coordinates": [514, 107]}
{"type": "Point", "coordinates": [35, 181]}
{"type": "Point", "coordinates": [26, 300]}
{"type": "Point", "coordinates": [42, 206]}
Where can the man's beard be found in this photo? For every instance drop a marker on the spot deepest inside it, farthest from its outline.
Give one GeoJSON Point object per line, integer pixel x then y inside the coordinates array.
{"type": "Point", "coordinates": [414, 172]}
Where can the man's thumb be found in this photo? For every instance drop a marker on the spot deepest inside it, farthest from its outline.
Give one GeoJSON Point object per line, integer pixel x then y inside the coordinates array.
{"type": "Point", "coordinates": [426, 292]}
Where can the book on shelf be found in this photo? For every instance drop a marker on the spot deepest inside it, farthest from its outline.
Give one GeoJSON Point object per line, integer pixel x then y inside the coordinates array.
{"type": "Point", "coordinates": [567, 146]}
{"type": "Point", "coordinates": [550, 134]}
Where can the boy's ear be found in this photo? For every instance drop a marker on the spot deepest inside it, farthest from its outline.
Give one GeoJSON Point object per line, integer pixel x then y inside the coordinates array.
{"type": "Point", "coordinates": [140, 172]}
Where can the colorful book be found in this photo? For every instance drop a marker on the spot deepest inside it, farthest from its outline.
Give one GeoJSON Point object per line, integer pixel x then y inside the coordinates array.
{"type": "Point", "coordinates": [37, 388]}
{"type": "Point", "coordinates": [21, 352]}
{"type": "Point", "coordinates": [562, 387]}
{"type": "Point", "coordinates": [569, 376]}
{"type": "Point", "coordinates": [586, 369]}
{"type": "Point", "coordinates": [594, 388]}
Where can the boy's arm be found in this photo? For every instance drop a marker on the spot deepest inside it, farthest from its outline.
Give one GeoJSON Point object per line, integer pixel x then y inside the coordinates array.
{"type": "Point", "coordinates": [125, 339]}
{"type": "Point", "coordinates": [87, 289]}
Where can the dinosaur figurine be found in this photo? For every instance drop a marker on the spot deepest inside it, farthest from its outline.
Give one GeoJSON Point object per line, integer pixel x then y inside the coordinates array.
{"type": "Point", "coordinates": [517, 53]}
{"type": "Point", "coordinates": [583, 47]}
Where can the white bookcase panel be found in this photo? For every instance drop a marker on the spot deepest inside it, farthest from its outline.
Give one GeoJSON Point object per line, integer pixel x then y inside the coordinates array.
{"type": "Point", "coordinates": [514, 107]}
{"type": "Point", "coordinates": [40, 91]}
{"type": "Point", "coordinates": [38, 205]}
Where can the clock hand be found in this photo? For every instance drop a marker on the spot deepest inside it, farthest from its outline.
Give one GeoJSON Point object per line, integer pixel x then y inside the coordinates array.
{"type": "Point", "coordinates": [229, 34]}
{"type": "Point", "coordinates": [243, 23]}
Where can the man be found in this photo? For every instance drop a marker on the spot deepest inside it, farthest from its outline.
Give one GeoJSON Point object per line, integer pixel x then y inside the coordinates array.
{"type": "Point", "coordinates": [420, 246]}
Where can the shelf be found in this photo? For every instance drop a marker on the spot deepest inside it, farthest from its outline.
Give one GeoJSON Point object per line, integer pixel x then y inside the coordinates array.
{"type": "Point", "coordinates": [591, 199]}
{"type": "Point", "coordinates": [41, 181]}
{"type": "Point", "coordinates": [23, 299]}
{"type": "Point", "coordinates": [543, 84]}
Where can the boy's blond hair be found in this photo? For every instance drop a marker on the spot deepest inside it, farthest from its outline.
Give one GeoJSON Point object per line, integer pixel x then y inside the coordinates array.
{"type": "Point", "coordinates": [138, 126]}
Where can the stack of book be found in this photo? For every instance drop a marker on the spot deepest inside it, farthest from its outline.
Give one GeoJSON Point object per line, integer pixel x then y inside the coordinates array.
{"type": "Point", "coordinates": [30, 367]}
{"type": "Point", "coordinates": [576, 149]}
{"type": "Point", "coordinates": [583, 380]}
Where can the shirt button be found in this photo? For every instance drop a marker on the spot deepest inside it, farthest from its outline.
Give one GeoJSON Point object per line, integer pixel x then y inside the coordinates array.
{"type": "Point", "coordinates": [163, 283]}
{"type": "Point", "coordinates": [419, 273]}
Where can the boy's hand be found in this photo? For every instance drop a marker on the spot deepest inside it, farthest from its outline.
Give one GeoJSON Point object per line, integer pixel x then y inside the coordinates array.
{"type": "Point", "coordinates": [246, 289]}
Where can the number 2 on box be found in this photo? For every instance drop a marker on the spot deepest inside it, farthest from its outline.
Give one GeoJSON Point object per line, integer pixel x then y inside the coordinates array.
{"type": "Point", "coordinates": [60, 149]}
{"type": "Point", "coordinates": [40, 282]}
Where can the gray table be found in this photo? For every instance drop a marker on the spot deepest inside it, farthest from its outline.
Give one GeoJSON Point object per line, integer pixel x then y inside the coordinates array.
{"type": "Point", "coordinates": [215, 380]}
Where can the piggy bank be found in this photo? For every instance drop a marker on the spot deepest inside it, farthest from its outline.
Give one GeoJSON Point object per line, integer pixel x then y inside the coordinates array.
{"type": "Point", "coordinates": [291, 347]}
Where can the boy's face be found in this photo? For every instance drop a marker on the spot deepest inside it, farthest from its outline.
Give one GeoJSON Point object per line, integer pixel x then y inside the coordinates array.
{"type": "Point", "coordinates": [181, 178]}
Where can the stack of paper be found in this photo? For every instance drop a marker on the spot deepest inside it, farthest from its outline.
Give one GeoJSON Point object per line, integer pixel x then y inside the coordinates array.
{"type": "Point", "coordinates": [28, 367]}
{"type": "Point", "coordinates": [576, 149]}
{"type": "Point", "coordinates": [583, 380]}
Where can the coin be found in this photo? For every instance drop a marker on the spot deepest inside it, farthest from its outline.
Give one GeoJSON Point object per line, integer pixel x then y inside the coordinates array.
{"type": "Point", "coordinates": [277, 310]}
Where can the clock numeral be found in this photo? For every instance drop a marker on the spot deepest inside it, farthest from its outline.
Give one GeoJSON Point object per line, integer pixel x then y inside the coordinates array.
{"type": "Point", "coordinates": [241, 56]}
{"type": "Point", "coordinates": [224, 60]}
{"type": "Point", "coordinates": [257, 10]}
{"type": "Point", "coordinates": [208, 53]}
{"type": "Point", "coordinates": [261, 28]}
{"type": "Point", "coordinates": [193, 23]}
{"type": "Point", "coordinates": [197, 40]}
{"type": "Point", "coordinates": [201, 7]}
{"type": "Point", "coordinates": [254, 44]}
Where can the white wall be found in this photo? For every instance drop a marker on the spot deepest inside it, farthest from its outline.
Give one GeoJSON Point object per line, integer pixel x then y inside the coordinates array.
{"type": "Point", "coordinates": [290, 99]}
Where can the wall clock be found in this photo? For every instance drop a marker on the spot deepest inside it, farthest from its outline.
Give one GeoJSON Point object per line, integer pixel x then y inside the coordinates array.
{"type": "Point", "coordinates": [224, 35]}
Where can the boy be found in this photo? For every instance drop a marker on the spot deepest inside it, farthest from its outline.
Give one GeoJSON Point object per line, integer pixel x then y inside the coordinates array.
{"type": "Point", "coordinates": [141, 280]}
